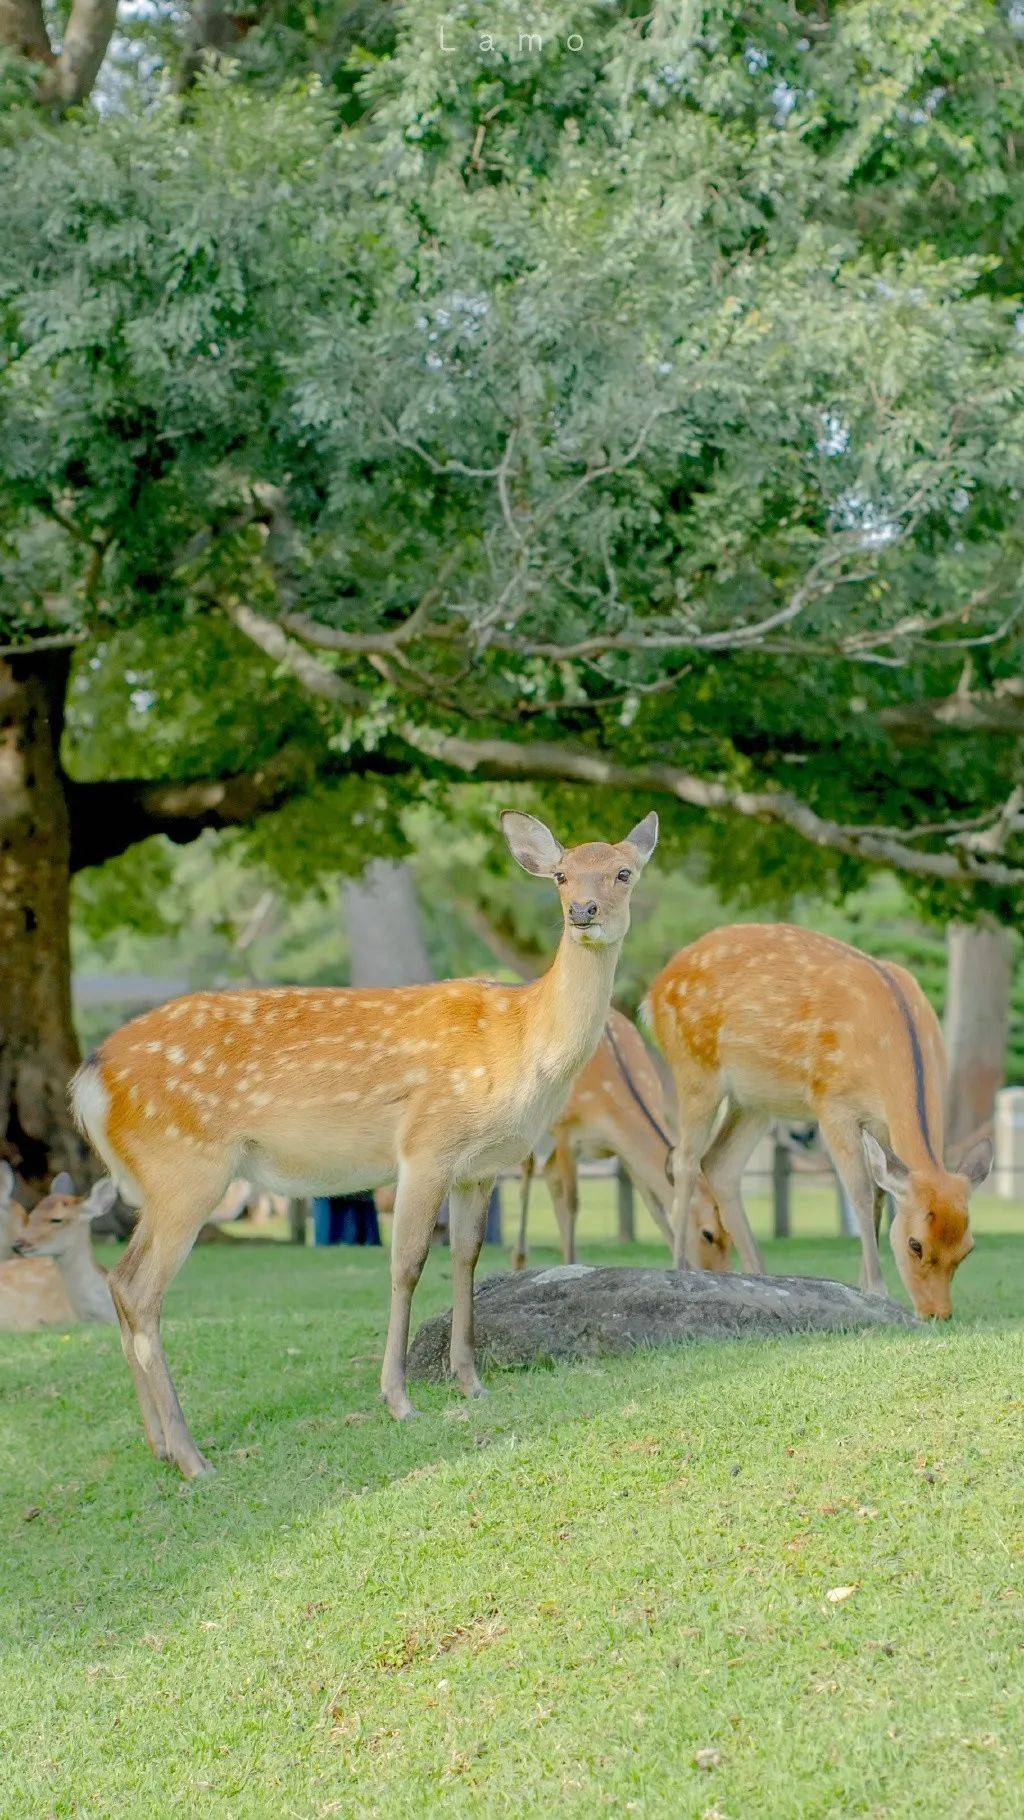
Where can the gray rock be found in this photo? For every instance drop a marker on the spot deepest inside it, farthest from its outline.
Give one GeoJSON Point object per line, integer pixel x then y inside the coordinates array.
{"type": "Point", "coordinates": [581, 1312]}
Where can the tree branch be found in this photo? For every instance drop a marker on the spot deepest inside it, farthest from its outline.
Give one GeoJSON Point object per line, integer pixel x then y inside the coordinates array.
{"type": "Point", "coordinates": [86, 37]}
{"type": "Point", "coordinates": [23, 30]}
{"type": "Point", "coordinates": [502, 758]}
{"type": "Point", "coordinates": [110, 816]}
{"type": "Point", "coordinates": [505, 759]}
{"type": "Point", "coordinates": [69, 75]}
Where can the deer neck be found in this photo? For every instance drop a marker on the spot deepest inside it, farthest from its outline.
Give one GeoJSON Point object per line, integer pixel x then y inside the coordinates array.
{"type": "Point", "coordinates": [85, 1284]}
{"type": "Point", "coordinates": [572, 1003]}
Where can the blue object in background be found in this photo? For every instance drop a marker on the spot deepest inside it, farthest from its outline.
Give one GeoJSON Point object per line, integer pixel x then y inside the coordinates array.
{"type": "Point", "coordinates": [345, 1219]}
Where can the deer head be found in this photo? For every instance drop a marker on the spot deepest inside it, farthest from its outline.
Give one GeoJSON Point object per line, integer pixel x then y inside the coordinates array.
{"type": "Point", "coordinates": [58, 1220]}
{"type": "Point", "coordinates": [931, 1232]}
{"type": "Point", "coordinates": [595, 881]}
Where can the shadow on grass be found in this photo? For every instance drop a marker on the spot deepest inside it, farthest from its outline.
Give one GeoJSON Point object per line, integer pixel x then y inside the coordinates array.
{"type": "Point", "coordinates": [276, 1356]}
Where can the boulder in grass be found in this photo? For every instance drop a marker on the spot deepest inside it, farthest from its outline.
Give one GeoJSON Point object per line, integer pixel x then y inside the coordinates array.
{"type": "Point", "coordinates": [579, 1311]}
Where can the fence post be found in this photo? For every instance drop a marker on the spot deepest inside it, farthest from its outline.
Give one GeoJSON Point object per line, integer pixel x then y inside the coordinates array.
{"type": "Point", "coordinates": [492, 1231]}
{"type": "Point", "coordinates": [627, 1213]}
{"type": "Point", "coordinates": [782, 1170]}
{"type": "Point", "coordinates": [297, 1211]}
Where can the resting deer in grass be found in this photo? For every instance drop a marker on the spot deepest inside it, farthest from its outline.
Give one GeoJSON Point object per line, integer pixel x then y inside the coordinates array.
{"type": "Point", "coordinates": [306, 1091]}
{"type": "Point", "coordinates": [12, 1213]}
{"type": "Point", "coordinates": [788, 1023]}
{"type": "Point", "coordinates": [52, 1279]}
{"type": "Point", "coordinates": [616, 1109]}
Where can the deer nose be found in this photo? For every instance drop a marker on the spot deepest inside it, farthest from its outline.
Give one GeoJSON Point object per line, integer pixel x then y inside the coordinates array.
{"type": "Point", "coordinates": [20, 1247]}
{"type": "Point", "coordinates": [582, 914]}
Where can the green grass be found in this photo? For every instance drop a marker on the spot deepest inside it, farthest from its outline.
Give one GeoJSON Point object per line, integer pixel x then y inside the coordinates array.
{"type": "Point", "coordinates": [548, 1603]}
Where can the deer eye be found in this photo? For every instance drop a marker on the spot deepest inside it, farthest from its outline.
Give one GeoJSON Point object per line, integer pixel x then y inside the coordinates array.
{"type": "Point", "coordinates": [559, 878]}
{"type": "Point", "coordinates": [624, 876]}
{"type": "Point", "coordinates": [916, 1247]}
{"type": "Point", "coordinates": [708, 1235]}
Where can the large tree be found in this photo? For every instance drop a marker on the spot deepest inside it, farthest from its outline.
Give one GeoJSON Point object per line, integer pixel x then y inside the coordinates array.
{"type": "Point", "coordinates": [640, 411]}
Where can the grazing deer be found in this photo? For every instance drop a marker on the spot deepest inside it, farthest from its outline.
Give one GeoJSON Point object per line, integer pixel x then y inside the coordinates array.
{"type": "Point", "coordinates": [308, 1091]}
{"type": "Point", "coordinates": [787, 1023]}
{"type": "Point", "coordinates": [610, 1112]}
{"type": "Point", "coordinates": [53, 1280]}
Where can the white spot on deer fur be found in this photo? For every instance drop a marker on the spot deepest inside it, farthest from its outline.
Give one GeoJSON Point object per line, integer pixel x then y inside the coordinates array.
{"type": "Point", "coordinates": [478, 1073]}
{"type": "Point", "coordinates": [150, 1109]}
{"type": "Point", "coordinates": [198, 1066]}
{"type": "Point", "coordinates": [153, 1048]}
{"type": "Point", "coordinates": [414, 1077]}
{"type": "Point", "coordinates": [143, 1350]}
{"type": "Point", "coordinates": [175, 1054]}
{"type": "Point", "coordinates": [173, 1132]}
{"type": "Point", "coordinates": [260, 1099]}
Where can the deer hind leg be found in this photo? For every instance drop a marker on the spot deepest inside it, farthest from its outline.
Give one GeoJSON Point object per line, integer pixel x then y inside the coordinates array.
{"type": "Point", "coordinates": [563, 1187]}
{"type": "Point", "coordinates": [723, 1166]}
{"type": "Point", "coordinates": [525, 1185]}
{"type": "Point", "coordinates": [468, 1209]}
{"type": "Point", "coordinates": [846, 1149]}
{"type": "Point", "coordinates": [421, 1189]}
{"type": "Point", "coordinates": [138, 1283]}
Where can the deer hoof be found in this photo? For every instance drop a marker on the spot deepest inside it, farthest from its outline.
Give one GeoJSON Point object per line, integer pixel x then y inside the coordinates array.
{"type": "Point", "coordinates": [401, 1408]}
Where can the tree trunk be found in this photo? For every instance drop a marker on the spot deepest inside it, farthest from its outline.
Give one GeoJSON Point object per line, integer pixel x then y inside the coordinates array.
{"type": "Point", "coordinates": [384, 929]}
{"type": "Point", "coordinates": [979, 962]}
{"type": "Point", "coordinates": [38, 1049]}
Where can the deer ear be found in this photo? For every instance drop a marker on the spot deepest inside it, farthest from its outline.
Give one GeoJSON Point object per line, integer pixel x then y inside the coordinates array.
{"type": "Point", "coordinates": [886, 1169]}
{"type": "Point", "coordinates": [644, 837]}
{"type": "Point", "coordinates": [62, 1184]}
{"type": "Point", "coordinates": [100, 1200]}
{"type": "Point", "coordinates": [531, 843]}
{"type": "Point", "coordinates": [976, 1162]}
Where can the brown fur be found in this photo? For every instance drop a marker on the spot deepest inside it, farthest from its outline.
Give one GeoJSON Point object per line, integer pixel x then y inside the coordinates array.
{"type": "Point", "coordinates": [602, 1119]}
{"type": "Point", "coordinates": [310, 1091]}
{"type": "Point", "coordinates": [787, 1022]}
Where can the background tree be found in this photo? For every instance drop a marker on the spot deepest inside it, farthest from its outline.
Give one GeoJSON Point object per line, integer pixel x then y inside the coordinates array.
{"type": "Point", "coordinates": [645, 415]}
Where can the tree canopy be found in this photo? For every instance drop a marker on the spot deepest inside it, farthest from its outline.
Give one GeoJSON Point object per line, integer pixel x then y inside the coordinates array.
{"type": "Point", "coordinates": [648, 394]}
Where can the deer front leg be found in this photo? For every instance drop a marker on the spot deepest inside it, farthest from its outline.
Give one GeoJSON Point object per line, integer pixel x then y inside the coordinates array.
{"type": "Point", "coordinates": [698, 1104]}
{"type": "Point", "coordinates": [843, 1138]}
{"type": "Point", "coordinates": [421, 1189]}
{"type": "Point", "coordinates": [467, 1205]}
{"type": "Point", "coordinates": [525, 1185]}
{"type": "Point", "coordinates": [656, 1210]}
{"type": "Point", "coordinates": [563, 1187]}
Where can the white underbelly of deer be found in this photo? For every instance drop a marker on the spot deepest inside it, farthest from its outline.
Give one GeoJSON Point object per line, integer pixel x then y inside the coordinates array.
{"type": "Point", "coordinates": [752, 1085]}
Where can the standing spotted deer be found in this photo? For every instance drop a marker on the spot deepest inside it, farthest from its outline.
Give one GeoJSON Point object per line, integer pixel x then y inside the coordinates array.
{"type": "Point", "coordinates": [305, 1091]}
{"type": "Point", "coordinates": [616, 1109]}
{"type": "Point", "coordinates": [782, 1022]}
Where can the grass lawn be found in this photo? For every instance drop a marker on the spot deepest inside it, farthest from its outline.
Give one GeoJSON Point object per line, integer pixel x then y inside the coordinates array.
{"type": "Point", "coordinates": [549, 1603]}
